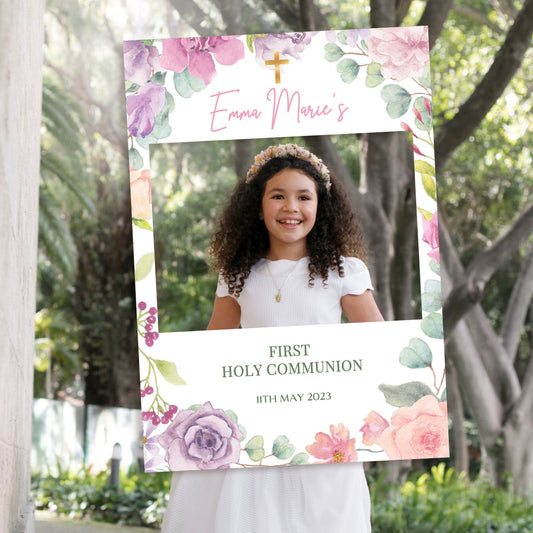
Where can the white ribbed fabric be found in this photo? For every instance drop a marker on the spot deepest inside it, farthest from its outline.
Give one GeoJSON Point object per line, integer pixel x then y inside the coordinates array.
{"type": "Point", "coordinates": [306, 499]}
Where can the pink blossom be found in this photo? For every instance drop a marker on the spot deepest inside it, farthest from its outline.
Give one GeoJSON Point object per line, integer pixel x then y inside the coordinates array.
{"type": "Point", "coordinates": [374, 426]}
{"type": "Point", "coordinates": [337, 448]}
{"type": "Point", "coordinates": [401, 52]}
{"type": "Point", "coordinates": [431, 236]}
{"type": "Point", "coordinates": [142, 108]}
{"type": "Point", "coordinates": [139, 61]}
{"type": "Point", "coordinates": [197, 53]}
{"type": "Point", "coordinates": [417, 432]}
{"type": "Point", "coordinates": [141, 194]}
{"type": "Point", "coordinates": [287, 44]}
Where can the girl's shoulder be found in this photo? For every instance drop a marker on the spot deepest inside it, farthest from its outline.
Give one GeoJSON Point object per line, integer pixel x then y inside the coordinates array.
{"type": "Point", "coordinates": [353, 265]}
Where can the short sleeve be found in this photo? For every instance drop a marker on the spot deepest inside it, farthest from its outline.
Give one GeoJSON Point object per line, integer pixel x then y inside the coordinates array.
{"type": "Point", "coordinates": [356, 279]}
{"type": "Point", "coordinates": [222, 288]}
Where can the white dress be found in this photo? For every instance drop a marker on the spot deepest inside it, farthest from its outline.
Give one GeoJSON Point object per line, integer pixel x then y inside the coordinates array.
{"type": "Point", "coordinates": [327, 498]}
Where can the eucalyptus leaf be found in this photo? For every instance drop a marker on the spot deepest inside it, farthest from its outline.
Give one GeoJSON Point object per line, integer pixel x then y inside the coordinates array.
{"type": "Point", "coordinates": [406, 394]}
{"type": "Point", "coordinates": [169, 371]}
{"type": "Point", "coordinates": [416, 355]}
{"type": "Point", "coordinates": [135, 158]}
{"type": "Point", "coordinates": [333, 52]}
{"type": "Point", "coordinates": [255, 448]}
{"type": "Point", "coordinates": [348, 69]}
{"type": "Point", "coordinates": [373, 75]}
{"type": "Point", "coordinates": [431, 302]}
{"type": "Point", "coordinates": [420, 105]}
{"type": "Point", "coordinates": [186, 85]}
{"type": "Point", "coordinates": [432, 326]}
{"type": "Point", "coordinates": [398, 100]}
{"type": "Point", "coordinates": [231, 414]}
{"type": "Point", "coordinates": [300, 459]}
{"type": "Point", "coordinates": [282, 448]}
{"type": "Point", "coordinates": [435, 266]}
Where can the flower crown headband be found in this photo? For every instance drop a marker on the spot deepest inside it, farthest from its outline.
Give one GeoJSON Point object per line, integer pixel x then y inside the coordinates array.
{"type": "Point", "coordinates": [289, 150]}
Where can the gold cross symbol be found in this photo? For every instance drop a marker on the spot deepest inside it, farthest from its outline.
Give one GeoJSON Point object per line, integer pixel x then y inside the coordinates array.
{"type": "Point", "coordinates": [277, 62]}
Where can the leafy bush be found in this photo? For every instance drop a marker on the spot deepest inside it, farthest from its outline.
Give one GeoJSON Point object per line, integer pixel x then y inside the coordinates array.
{"type": "Point", "coordinates": [445, 502]}
{"type": "Point", "coordinates": [139, 499]}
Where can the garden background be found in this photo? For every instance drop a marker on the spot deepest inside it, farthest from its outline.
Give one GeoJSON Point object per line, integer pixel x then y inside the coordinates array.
{"type": "Point", "coordinates": [85, 325]}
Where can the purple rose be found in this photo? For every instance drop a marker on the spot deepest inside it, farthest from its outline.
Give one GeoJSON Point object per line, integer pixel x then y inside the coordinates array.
{"type": "Point", "coordinates": [201, 439]}
{"type": "Point", "coordinates": [142, 108]}
{"type": "Point", "coordinates": [431, 236]}
{"type": "Point", "coordinates": [197, 53]}
{"type": "Point", "coordinates": [401, 52]}
{"type": "Point", "coordinates": [287, 44]}
{"type": "Point", "coordinates": [139, 61]}
{"type": "Point", "coordinates": [155, 459]}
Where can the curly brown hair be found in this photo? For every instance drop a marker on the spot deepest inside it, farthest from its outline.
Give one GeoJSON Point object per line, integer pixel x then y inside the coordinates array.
{"type": "Point", "coordinates": [242, 239]}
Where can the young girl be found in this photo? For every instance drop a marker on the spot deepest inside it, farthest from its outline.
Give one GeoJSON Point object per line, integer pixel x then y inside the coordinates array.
{"type": "Point", "coordinates": [289, 252]}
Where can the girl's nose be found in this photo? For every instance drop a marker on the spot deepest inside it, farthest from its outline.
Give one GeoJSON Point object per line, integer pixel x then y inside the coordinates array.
{"type": "Point", "coordinates": [291, 204]}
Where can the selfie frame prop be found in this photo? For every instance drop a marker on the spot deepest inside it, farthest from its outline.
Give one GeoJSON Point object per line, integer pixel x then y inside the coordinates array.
{"type": "Point", "coordinates": [299, 394]}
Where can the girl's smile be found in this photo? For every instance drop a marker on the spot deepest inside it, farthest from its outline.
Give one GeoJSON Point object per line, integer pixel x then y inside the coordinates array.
{"type": "Point", "coordinates": [289, 208]}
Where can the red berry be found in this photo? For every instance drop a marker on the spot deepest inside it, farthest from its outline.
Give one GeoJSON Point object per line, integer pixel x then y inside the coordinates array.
{"type": "Point", "coordinates": [152, 311]}
{"type": "Point", "coordinates": [150, 319]}
{"type": "Point", "coordinates": [142, 306]}
{"type": "Point", "coordinates": [165, 420]}
{"type": "Point", "coordinates": [172, 409]}
{"type": "Point", "coordinates": [149, 389]}
{"type": "Point", "coordinates": [155, 420]}
{"type": "Point", "coordinates": [143, 394]}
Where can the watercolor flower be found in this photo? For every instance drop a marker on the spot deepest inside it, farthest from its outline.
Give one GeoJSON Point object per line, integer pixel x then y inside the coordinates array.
{"type": "Point", "coordinates": [142, 108]}
{"type": "Point", "coordinates": [401, 52]}
{"type": "Point", "coordinates": [374, 426]}
{"type": "Point", "coordinates": [417, 432]}
{"type": "Point", "coordinates": [201, 439]}
{"type": "Point", "coordinates": [151, 447]}
{"type": "Point", "coordinates": [337, 447]}
{"type": "Point", "coordinates": [199, 53]}
{"type": "Point", "coordinates": [141, 194]}
{"type": "Point", "coordinates": [139, 61]}
{"type": "Point", "coordinates": [431, 236]}
{"type": "Point", "coordinates": [352, 36]}
{"type": "Point", "coordinates": [287, 44]}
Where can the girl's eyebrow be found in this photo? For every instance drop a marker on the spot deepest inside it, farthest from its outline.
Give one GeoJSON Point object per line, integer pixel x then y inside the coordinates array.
{"type": "Point", "coordinates": [280, 189]}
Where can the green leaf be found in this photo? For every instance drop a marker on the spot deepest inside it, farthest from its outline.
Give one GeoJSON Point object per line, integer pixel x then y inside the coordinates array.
{"type": "Point", "coordinates": [432, 326]}
{"type": "Point", "coordinates": [348, 70]}
{"type": "Point", "coordinates": [140, 223]}
{"type": "Point", "coordinates": [231, 414]}
{"type": "Point", "coordinates": [425, 79]}
{"type": "Point", "coordinates": [406, 394]}
{"type": "Point", "coordinates": [342, 36]}
{"type": "Point", "coordinates": [373, 75]}
{"type": "Point", "coordinates": [333, 52]}
{"type": "Point", "coordinates": [135, 158]}
{"type": "Point", "coordinates": [282, 448]}
{"type": "Point", "coordinates": [186, 85]}
{"type": "Point", "coordinates": [444, 395]}
{"type": "Point", "coordinates": [144, 266]}
{"type": "Point", "coordinates": [431, 302]}
{"type": "Point", "coordinates": [435, 266]}
{"type": "Point", "coordinates": [300, 459]}
{"type": "Point", "coordinates": [169, 371]}
{"type": "Point", "coordinates": [158, 78]}
{"type": "Point", "coordinates": [420, 106]}
{"type": "Point", "coordinates": [423, 167]}
{"type": "Point", "coordinates": [255, 448]}
{"type": "Point", "coordinates": [398, 100]}
{"type": "Point", "coordinates": [428, 215]}
{"type": "Point", "coordinates": [430, 186]}
{"type": "Point", "coordinates": [250, 40]}
{"type": "Point", "coordinates": [194, 407]}
{"type": "Point", "coordinates": [416, 355]}
{"type": "Point", "coordinates": [243, 431]}
{"type": "Point", "coordinates": [148, 42]}
{"type": "Point", "coordinates": [433, 286]}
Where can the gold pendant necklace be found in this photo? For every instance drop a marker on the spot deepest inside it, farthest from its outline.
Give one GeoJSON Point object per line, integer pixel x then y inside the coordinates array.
{"type": "Point", "coordinates": [277, 297]}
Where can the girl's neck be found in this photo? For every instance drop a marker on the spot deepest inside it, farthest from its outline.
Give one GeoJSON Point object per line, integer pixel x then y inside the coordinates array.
{"type": "Point", "coordinates": [290, 253]}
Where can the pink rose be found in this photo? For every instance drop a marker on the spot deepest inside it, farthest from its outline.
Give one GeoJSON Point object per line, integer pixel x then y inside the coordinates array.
{"type": "Point", "coordinates": [141, 194]}
{"type": "Point", "coordinates": [401, 52]}
{"type": "Point", "coordinates": [431, 236]}
{"type": "Point", "coordinates": [201, 439]}
{"type": "Point", "coordinates": [337, 448]}
{"type": "Point", "coordinates": [417, 432]}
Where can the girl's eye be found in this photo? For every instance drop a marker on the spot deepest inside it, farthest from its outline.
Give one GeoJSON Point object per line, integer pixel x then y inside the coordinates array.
{"type": "Point", "coordinates": [305, 198]}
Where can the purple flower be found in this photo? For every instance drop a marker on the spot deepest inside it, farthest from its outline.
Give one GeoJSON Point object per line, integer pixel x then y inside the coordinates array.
{"type": "Point", "coordinates": [431, 236]}
{"type": "Point", "coordinates": [151, 446]}
{"type": "Point", "coordinates": [401, 52]}
{"type": "Point", "coordinates": [139, 61]}
{"type": "Point", "coordinates": [201, 439]}
{"type": "Point", "coordinates": [197, 53]}
{"type": "Point", "coordinates": [142, 108]}
{"type": "Point", "coordinates": [292, 44]}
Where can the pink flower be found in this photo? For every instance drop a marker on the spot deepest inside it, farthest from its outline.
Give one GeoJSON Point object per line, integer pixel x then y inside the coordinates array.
{"type": "Point", "coordinates": [417, 432]}
{"type": "Point", "coordinates": [139, 61]}
{"type": "Point", "coordinates": [197, 53]}
{"type": "Point", "coordinates": [337, 448]}
{"type": "Point", "coordinates": [401, 52]}
{"type": "Point", "coordinates": [431, 236]}
{"type": "Point", "coordinates": [287, 44]}
{"type": "Point", "coordinates": [201, 439]}
{"type": "Point", "coordinates": [141, 194]}
{"type": "Point", "coordinates": [374, 426]}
